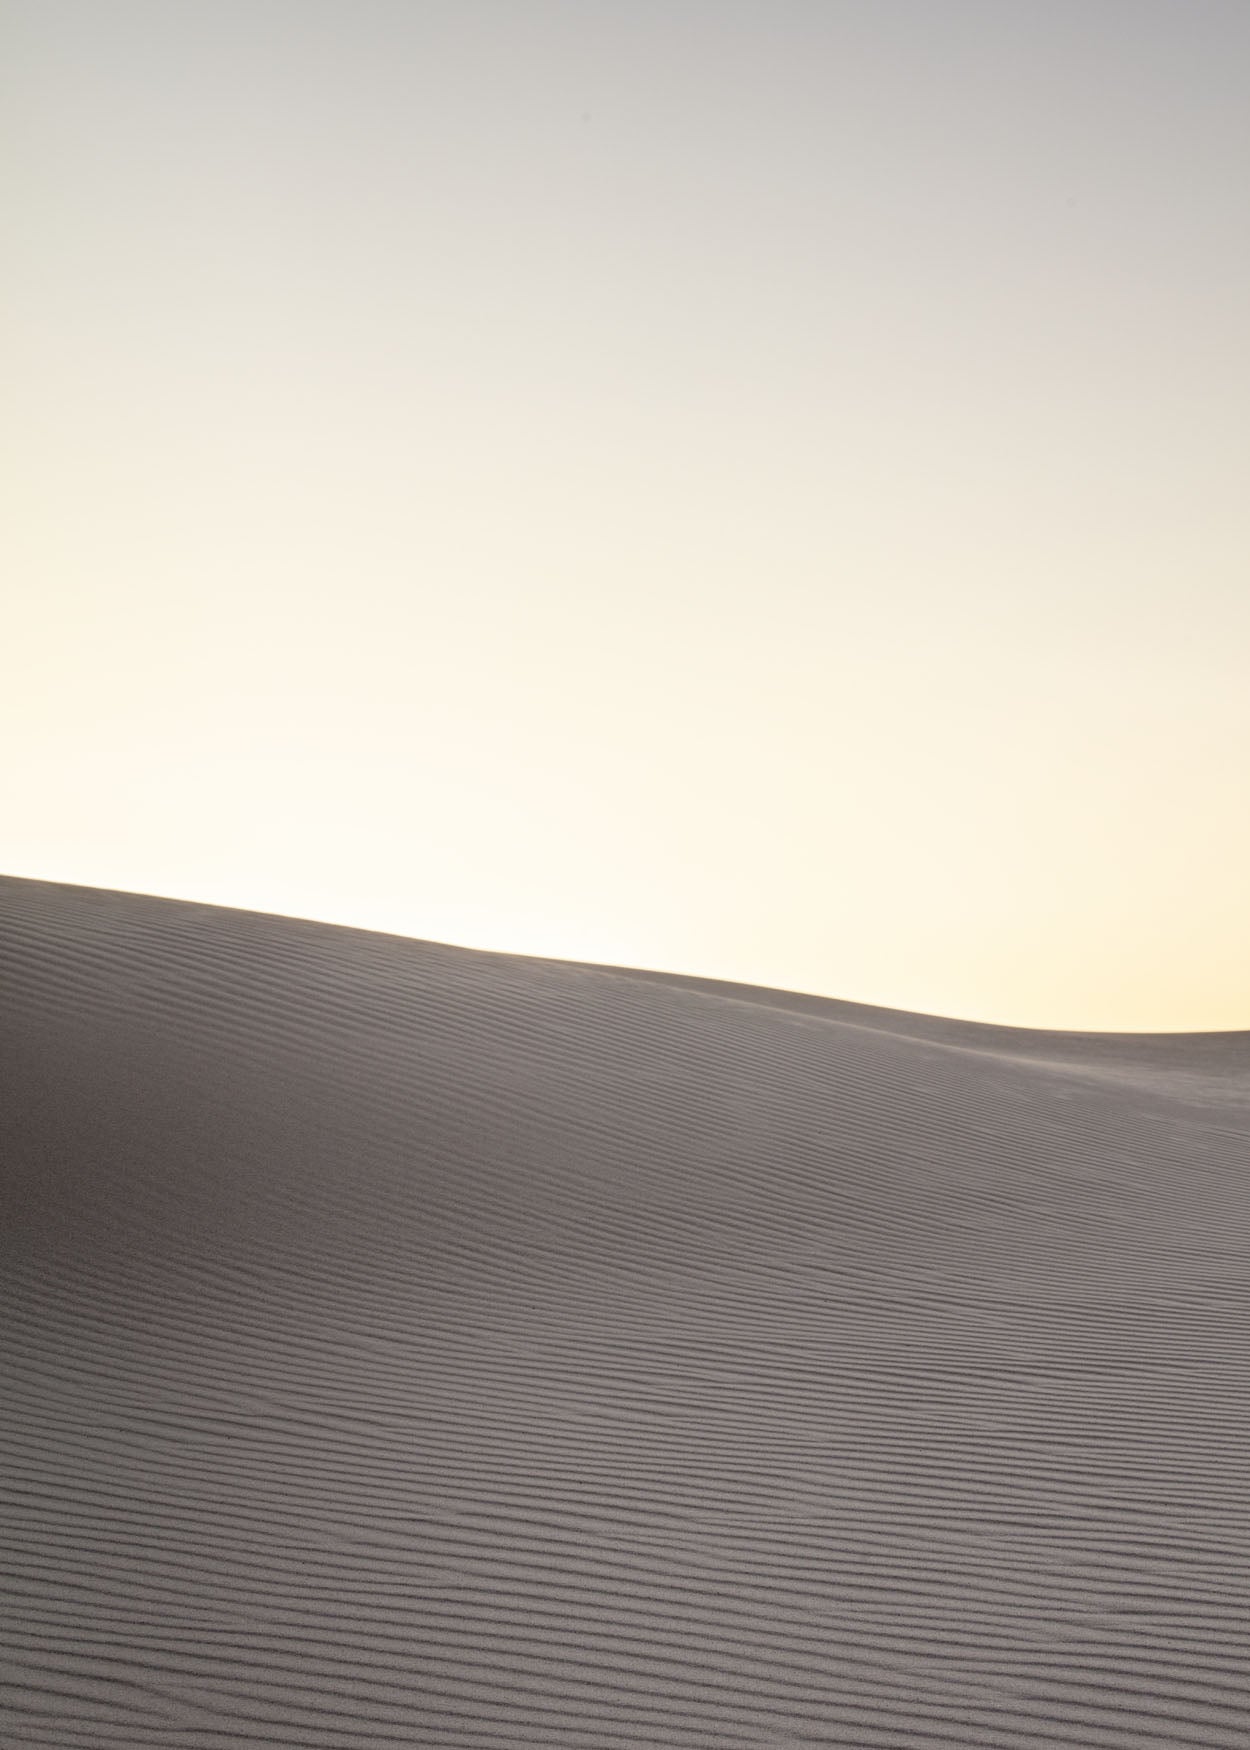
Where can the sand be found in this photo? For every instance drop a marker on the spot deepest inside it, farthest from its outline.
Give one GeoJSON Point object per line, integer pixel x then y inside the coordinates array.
{"type": "Point", "coordinates": [402, 1345]}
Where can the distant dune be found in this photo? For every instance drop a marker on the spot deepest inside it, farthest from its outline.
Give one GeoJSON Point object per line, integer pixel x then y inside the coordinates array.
{"type": "Point", "coordinates": [408, 1346]}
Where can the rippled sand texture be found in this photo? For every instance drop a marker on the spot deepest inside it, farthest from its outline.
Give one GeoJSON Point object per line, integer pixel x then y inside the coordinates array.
{"type": "Point", "coordinates": [401, 1346]}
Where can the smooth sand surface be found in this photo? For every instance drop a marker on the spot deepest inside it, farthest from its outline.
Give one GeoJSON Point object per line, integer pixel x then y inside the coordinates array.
{"type": "Point", "coordinates": [402, 1345]}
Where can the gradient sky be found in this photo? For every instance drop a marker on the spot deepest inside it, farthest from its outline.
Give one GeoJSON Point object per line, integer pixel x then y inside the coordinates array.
{"type": "Point", "coordinates": [751, 489]}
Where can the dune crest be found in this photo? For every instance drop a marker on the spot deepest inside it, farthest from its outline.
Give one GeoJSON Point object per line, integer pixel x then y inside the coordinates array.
{"type": "Point", "coordinates": [404, 1345]}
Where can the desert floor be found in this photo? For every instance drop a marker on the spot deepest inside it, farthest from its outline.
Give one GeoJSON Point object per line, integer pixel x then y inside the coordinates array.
{"type": "Point", "coordinates": [408, 1346]}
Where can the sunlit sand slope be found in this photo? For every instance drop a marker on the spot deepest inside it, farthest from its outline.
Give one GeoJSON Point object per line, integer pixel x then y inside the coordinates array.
{"type": "Point", "coordinates": [401, 1346]}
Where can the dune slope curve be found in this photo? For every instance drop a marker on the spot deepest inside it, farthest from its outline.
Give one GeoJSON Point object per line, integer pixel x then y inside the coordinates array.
{"type": "Point", "coordinates": [402, 1345]}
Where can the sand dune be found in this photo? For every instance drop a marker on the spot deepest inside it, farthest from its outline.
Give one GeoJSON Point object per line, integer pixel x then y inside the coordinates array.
{"type": "Point", "coordinates": [401, 1345]}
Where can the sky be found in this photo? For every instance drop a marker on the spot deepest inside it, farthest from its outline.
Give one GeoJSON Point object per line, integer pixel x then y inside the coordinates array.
{"type": "Point", "coordinates": [754, 490]}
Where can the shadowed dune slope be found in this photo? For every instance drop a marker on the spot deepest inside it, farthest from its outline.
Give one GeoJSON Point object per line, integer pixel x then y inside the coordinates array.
{"type": "Point", "coordinates": [402, 1345]}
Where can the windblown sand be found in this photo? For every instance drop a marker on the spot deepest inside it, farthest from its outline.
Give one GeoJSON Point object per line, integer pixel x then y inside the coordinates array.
{"type": "Point", "coordinates": [406, 1346]}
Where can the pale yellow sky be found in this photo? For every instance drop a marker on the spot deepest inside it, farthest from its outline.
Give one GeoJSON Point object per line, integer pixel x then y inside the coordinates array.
{"type": "Point", "coordinates": [749, 489]}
